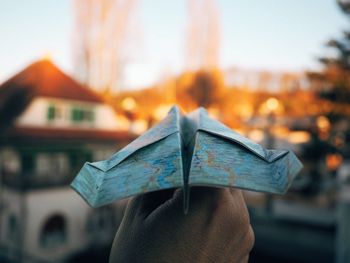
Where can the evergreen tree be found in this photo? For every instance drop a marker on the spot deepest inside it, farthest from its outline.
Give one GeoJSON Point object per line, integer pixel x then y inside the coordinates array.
{"type": "Point", "coordinates": [335, 77]}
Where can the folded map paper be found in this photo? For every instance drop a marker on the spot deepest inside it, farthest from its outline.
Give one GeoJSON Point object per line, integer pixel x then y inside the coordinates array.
{"type": "Point", "coordinates": [183, 151]}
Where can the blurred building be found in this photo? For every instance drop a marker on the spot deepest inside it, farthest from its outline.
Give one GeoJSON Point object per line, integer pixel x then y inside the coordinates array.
{"type": "Point", "coordinates": [51, 125]}
{"type": "Point", "coordinates": [260, 80]}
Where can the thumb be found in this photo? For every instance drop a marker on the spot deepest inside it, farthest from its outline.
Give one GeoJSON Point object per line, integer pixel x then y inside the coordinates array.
{"type": "Point", "coordinates": [149, 202]}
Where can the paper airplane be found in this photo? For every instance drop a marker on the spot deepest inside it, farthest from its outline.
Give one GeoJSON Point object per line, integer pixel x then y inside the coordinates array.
{"type": "Point", "coordinates": [183, 151]}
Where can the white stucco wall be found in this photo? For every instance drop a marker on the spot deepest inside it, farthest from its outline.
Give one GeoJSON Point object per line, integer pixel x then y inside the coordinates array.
{"type": "Point", "coordinates": [43, 204]}
{"type": "Point", "coordinates": [40, 205]}
{"type": "Point", "coordinates": [106, 118]}
{"type": "Point", "coordinates": [35, 115]}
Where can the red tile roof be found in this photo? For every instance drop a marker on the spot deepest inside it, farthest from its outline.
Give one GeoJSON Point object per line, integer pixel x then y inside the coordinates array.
{"type": "Point", "coordinates": [41, 78]}
{"type": "Point", "coordinates": [46, 79]}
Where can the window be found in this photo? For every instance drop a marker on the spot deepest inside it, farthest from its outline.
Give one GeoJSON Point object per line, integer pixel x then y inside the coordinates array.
{"type": "Point", "coordinates": [54, 112]}
{"type": "Point", "coordinates": [43, 164]}
{"type": "Point", "coordinates": [51, 112]}
{"type": "Point", "coordinates": [77, 115]}
{"type": "Point", "coordinates": [65, 113]}
{"type": "Point", "coordinates": [47, 163]}
{"type": "Point", "coordinates": [53, 232]}
{"type": "Point", "coordinates": [12, 226]}
{"type": "Point", "coordinates": [80, 114]}
{"type": "Point", "coordinates": [10, 161]}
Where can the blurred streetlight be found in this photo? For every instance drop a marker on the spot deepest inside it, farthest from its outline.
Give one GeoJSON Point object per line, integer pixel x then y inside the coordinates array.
{"type": "Point", "coordinates": [333, 161]}
{"type": "Point", "coordinates": [323, 123]}
{"type": "Point", "coordinates": [270, 107]}
{"type": "Point", "coordinates": [256, 135]}
{"type": "Point", "coordinates": [323, 126]}
{"type": "Point", "coordinates": [139, 126]}
{"type": "Point", "coordinates": [161, 111]}
{"type": "Point", "coordinates": [272, 104]}
{"type": "Point", "coordinates": [298, 137]}
{"type": "Point", "coordinates": [214, 112]}
{"type": "Point", "coordinates": [128, 104]}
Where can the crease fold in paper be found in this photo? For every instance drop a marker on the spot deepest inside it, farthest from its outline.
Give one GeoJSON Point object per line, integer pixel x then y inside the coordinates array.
{"type": "Point", "coordinates": [183, 151]}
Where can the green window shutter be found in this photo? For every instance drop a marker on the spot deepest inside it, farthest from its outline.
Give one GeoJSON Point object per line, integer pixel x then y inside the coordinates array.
{"type": "Point", "coordinates": [82, 115]}
{"type": "Point", "coordinates": [75, 115]}
{"type": "Point", "coordinates": [51, 113]}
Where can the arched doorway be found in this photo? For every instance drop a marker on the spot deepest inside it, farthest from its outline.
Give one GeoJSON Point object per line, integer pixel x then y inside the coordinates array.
{"type": "Point", "coordinates": [53, 232]}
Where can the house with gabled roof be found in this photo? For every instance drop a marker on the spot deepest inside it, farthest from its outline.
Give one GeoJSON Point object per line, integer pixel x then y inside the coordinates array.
{"type": "Point", "coordinates": [49, 126]}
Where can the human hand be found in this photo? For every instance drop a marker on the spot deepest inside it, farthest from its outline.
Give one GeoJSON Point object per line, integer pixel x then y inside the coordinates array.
{"type": "Point", "coordinates": [155, 229]}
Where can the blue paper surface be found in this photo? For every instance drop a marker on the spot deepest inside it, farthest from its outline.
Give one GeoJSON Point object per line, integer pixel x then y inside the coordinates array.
{"type": "Point", "coordinates": [183, 151]}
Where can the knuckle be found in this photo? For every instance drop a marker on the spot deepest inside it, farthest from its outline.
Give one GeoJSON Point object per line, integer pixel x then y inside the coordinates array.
{"type": "Point", "coordinates": [249, 240]}
{"type": "Point", "coordinates": [222, 200]}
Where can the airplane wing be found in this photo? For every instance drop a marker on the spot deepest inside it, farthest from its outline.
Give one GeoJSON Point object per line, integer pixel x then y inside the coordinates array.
{"type": "Point", "coordinates": [151, 162]}
{"type": "Point", "coordinates": [222, 157]}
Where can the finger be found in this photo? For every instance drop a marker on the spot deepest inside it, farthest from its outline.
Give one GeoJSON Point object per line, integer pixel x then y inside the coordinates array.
{"type": "Point", "coordinates": [245, 259]}
{"type": "Point", "coordinates": [246, 244]}
{"type": "Point", "coordinates": [202, 202]}
{"type": "Point", "coordinates": [205, 195]}
{"type": "Point", "coordinates": [236, 192]}
{"type": "Point", "coordinates": [152, 200]}
{"type": "Point", "coordinates": [239, 204]}
{"type": "Point", "coordinates": [171, 207]}
{"type": "Point", "coordinates": [209, 198]}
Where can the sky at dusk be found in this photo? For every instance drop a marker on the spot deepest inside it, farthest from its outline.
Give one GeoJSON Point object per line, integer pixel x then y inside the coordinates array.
{"type": "Point", "coordinates": [269, 34]}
